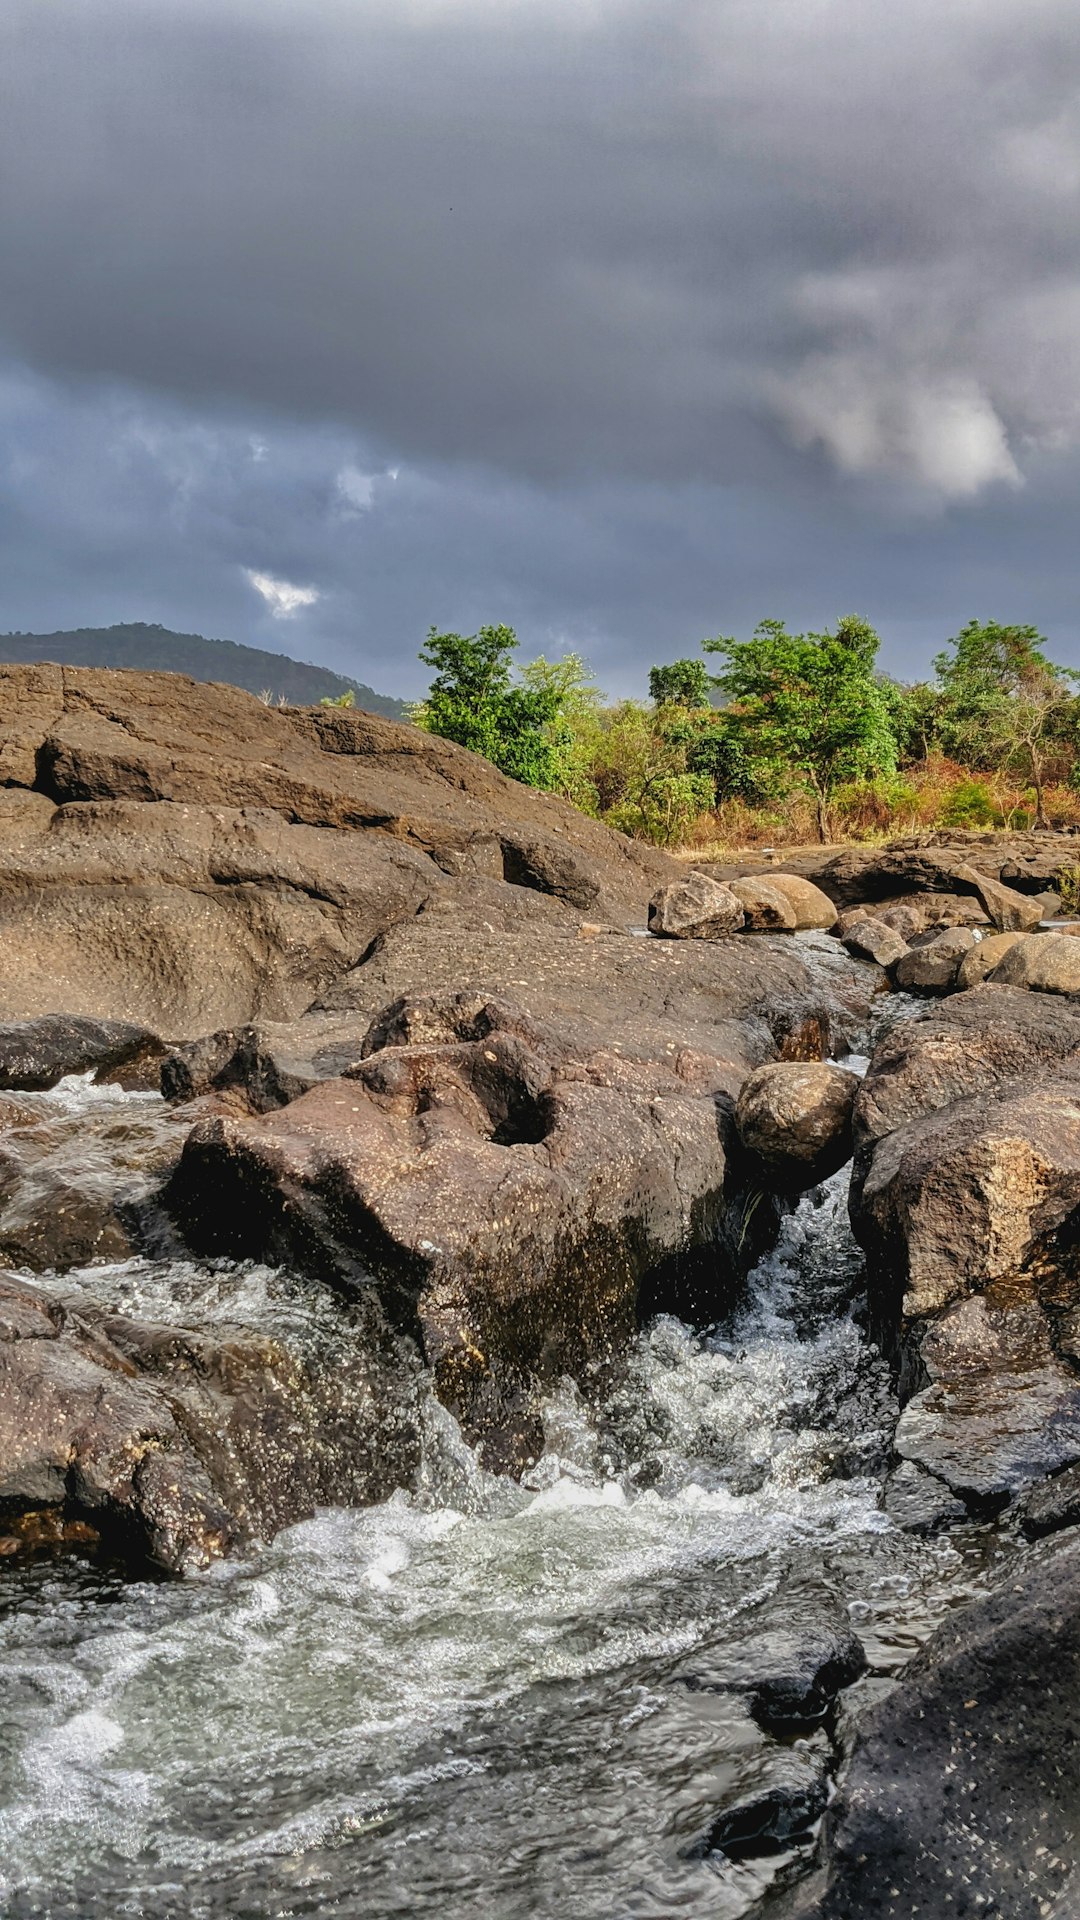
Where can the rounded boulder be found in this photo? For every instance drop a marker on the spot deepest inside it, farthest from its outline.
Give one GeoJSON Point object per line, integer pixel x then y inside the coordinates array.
{"type": "Point", "coordinates": [695, 908]}
{"type": "Point", "coordinates": [795, 1117]}
{"type": "Point", "coordinates": [812, 907]}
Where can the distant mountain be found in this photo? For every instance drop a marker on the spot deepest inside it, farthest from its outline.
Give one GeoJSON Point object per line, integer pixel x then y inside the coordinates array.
{"type": "Point", "coordinates": [154, 648]}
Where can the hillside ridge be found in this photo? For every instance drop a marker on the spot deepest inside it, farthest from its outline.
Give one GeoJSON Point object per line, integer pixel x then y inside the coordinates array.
{"type": "Point", "coordinates": [154, 648]}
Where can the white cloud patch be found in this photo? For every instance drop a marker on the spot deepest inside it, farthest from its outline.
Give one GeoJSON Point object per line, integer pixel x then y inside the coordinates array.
{"type": "Point", "coordinates": [355, 490]}
{"type": "Point", "coordinates": [281, 596]}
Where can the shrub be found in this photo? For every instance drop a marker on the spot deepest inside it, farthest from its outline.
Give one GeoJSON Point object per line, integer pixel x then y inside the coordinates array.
{"type": "Point", "coordinates": [970, 804]}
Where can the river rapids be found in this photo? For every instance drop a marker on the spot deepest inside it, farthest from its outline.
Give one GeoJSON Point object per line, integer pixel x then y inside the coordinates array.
{"type": "Point", "coordinates": [472, 1699]}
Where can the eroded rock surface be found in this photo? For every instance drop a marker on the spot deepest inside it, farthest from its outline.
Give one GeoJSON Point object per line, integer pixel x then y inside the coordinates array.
{"type": "Point", "coordinates": [796, 1119]}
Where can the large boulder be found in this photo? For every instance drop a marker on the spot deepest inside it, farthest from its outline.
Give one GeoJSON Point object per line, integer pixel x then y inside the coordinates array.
{"type": "Point", "coordinates": [695, 908]}
{"type": "Point", "coordinates": [812, 907]}
{"type": "Point", "coordinates": [966, 1197]}
{"type": "Point", "coordinates": [963, 1788]}
{"type": "Point", "coordinates": [795, 1118]}
{"type": "Point", "coordinates": [1008, 910]}
{"type": "Point", "coordinates": [174, 1442]}
{"type": "Point", "coordinates": [978, 964]}
{"type": "Point", "coordinates": [519, 1169]}
{"type": "Point", "coordinates": [870, 939]}
{"type": "Point", "coordinates": [1043, 963]}
{"type": "Point", "coordinates": [932, 967]}
{"type": "Point", "coordinates": [766, 908]}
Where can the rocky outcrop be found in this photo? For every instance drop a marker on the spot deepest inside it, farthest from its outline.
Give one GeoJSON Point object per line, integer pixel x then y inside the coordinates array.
{"type": "Point", "coordinates": [966, 1197]}
{"type": "Point", "coordinates": [170, 1443]}
{"type": "Point", "coordinates": [962, 1792]}
{"type": "Point", "coordinates": [518, 1169]}
{"type": "Point", "coordinates": [695, 908]}
{"type": "Point", "coordinates": [173, 853]}
{"type": "Point", "coordinates": [795, 1120]}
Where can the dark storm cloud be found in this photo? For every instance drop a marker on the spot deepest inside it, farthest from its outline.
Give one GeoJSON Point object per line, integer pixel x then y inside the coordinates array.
{"type": "Point", "coordinates": [665, 316]}
{"type": "Point", "coordinates": [564, 236]}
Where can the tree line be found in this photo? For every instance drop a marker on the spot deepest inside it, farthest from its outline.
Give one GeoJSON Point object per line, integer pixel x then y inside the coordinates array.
{"type": "Point", "coordinates": [781, 735]}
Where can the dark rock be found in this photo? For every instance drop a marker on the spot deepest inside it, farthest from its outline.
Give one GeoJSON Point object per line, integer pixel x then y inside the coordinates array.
{"type": "Point", "coordinates": [796, 1119]}
{"type": "Point", "coordinates": [918, 1502]}
{"type": "Point", "coordinates": [239, 1057]}
{"type": "Point", "coordinates": [871, 939]}
{"type": "Point", "coordinates": [695, 908]}
{"type": "Point", "coordinates": [38, 1053]}
{"type": "Point", "coordinates": [962, 1794]}
{"type": "Point", "coordinates": [793, 1652]}
{"type": "Point", "coordinates": [778, 1802]}
{"type": "Point", "coordinates": [1051, 1506]}
{"type": "Point", "coordinates": [1001, 1410]}
{"type": "Point", "coordinates": [77, 1179]}
{"type": "Point", "coordinates": [932, 967]}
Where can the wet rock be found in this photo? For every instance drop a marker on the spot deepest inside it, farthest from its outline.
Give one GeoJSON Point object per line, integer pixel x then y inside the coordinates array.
{"type": "Point", "coordinates": [765, 908]}
{"type": "Point", "coordinates": [963, 1790]}
{"type": "Point", "coordinates": [515, 1167]}
{"type": "Point", "coordinates": [78, 1176]}
{"type": "Point", "coordinates": [239, 1057]}
{"type": "Point", "coordinates": [812, 907]}
{"type": "Point", "coordinates": [932, 968]}
{"type": "Point", "coordinates": [38, 1053]}
{"type": "Point", "coordinates": [1001, 1410]}
{"type": "Point", "coordinates": [793, 1652]}
{"type": "Point", "coordinates": [778, 1802]}
{"type": "Point", "coordinates": [175, 1443]}
{"type": "Point", "coordinates": [871, 939]}
{"type": "Point", "coordinates": [796, 1119]}
{"type": "Point", "coordinates": [1051, 1506]}
{"type": "Point", "coordinates": [695, 908]}
{"type": "Point", "coordinates": [1042, 963]}
{"type": "Point", "coordinates": [983, 958]}
{"type": "Point", "coordinates": [919, 1502]}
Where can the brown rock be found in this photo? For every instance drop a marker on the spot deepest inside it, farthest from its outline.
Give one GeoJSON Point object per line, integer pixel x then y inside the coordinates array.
{"type": "Point", "coordinates": [983, 958]}
{"type": "Point", "coordinates": [870, 939]}
{"type": "Point", "coordinates": [933, 968]}
{"type": "Point", "coordinates": [813, 908]}
{"type": "Point", "coordinates": [766, 909]}
{"type": "Point", "coordinates": [1043, 963]}
{"type": "Point", "coordinates": [174, 1443]}
{"type": "Point", "coordinates": [695, 908]}
{"type": "Point", "coordinates": [796, 1119]}
{"type": "Point", "coordinates": [1010, 912]}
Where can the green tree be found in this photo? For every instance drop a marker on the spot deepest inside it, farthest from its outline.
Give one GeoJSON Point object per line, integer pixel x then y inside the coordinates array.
{"type": "Point", "coordinates": [915, 712]}
{"type": "Point", "coordinates": [1003, 701]}
{"type": "Point", "coordinates": [682, 683]}
{"type": "Point", "coordinates": [574, 732]}
{"type": "Point", "coordinates": [809, 707]}
{"type": "Point", "coordinates": [473, 701]}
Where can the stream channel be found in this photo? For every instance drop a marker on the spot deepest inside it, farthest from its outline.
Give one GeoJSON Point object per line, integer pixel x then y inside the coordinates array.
{"type": "Point", "coordinates": [530, 1702]}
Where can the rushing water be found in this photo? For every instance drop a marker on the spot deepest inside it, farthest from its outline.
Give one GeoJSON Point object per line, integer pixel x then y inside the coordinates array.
{"type": "Point", "coordinates": [467, 1701]}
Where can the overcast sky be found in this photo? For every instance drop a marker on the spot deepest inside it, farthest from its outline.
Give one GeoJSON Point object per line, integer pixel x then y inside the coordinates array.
{"type": "Point", "coordinates": [624, 321]}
